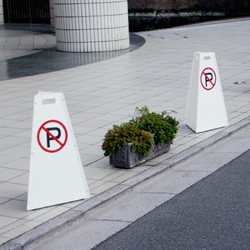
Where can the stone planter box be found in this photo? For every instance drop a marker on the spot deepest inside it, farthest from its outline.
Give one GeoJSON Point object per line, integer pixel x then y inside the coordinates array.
{"type": "Point", "coordinates": [126, 158]}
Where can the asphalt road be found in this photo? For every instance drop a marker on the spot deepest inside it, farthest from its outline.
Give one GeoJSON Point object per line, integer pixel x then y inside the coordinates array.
{"type": "Point", "coordinates": [212, 214]}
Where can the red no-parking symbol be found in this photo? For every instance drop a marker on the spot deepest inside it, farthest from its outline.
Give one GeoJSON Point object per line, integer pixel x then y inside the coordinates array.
{"type": "Point", "coordinates": [52, 136]}
{"type": "Point", "coordinates": [208, 78]}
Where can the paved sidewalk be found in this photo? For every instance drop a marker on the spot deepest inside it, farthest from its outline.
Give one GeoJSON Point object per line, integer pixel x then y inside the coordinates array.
{"type": "Point", "coordinates": [25, 49]}
{"type": "Point", "coordinates": [17, 41]}
{"type": "Point", "coordinates": [105, 93]}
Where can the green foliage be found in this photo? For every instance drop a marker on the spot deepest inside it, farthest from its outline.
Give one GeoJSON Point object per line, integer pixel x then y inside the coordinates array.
{"type": "Point", "coordinates": [141, 140]}
{"type": "Point", "coordinates": [163, 128]}
{"type": "Point", "coordinates": [148, 28]}
{"type": "Point", "coordinates": [140, 131]}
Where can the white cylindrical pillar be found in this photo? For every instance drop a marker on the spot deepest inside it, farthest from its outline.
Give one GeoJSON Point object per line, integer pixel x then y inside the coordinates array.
{"type": "Point", "coordinates": [91, 26]}
{"type": "Point", "coordinates": [1, 12]}
{"type": "Point", "coordinates": [52, 15]}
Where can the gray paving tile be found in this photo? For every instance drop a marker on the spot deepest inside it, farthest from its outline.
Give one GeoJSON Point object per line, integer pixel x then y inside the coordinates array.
{"type": "Point", "coordinates": [18, 163]}
{"type": "Point", "coordinates": [4, 221]}
{"type": "Point", "coordinates": [3, 200]}
{"type": "Point", "coordinates": [17, 151]}
{"type": "Point", "coordinates": [8, 141]}
{"type": "Point", "coordinates": [21, 179]}
{"type": "Point", "coordinates": [7, 159]}
{"type": "Point", "coordinates": [98, 173]}
{"type": "Point", "coordinates": [6, 131]}
{"type": "Point", "coordinates": [11, 190]}
{"type": "Point", "coordinates": [8, 174]}
{"type": "Point", "coordinates": [14, 209]}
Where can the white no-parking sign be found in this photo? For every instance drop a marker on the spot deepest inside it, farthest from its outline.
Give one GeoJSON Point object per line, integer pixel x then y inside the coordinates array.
{"type": "Point", "coordinates": [56, 172]}
{"type": "Point", "coordinates": [205, 109]}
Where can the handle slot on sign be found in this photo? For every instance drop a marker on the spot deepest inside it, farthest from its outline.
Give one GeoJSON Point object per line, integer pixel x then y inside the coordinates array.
{"type": "Point", "coordinates": [49, 101]}
{"type": "Point", "coordinates": [207, 57]}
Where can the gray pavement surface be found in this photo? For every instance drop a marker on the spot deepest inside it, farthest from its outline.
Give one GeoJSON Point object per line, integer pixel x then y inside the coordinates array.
{"type": "Point", "coordinates": [189, 206]}
{"type": "Point", "coordinates": [25, 49]}
{"type": "Point", "coordinates": [212, 214]}
{"type": "Point", "coordinates": [101, 94]}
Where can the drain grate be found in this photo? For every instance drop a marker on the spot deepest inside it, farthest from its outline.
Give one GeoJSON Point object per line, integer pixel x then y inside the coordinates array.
{"type": "Point", "coordinates": [240, 83]}
{"type": "Point", "coordinates": [169, 112]}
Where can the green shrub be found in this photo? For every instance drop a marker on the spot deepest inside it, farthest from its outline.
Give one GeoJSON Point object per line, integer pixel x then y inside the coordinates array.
{"type": "Point", "coordinates": [142, 141]}
{"type": "Point", "coordinates": [142, 130]}
{"type": "Point", "coordinates": [163, 128]}
{"type": "Point", "coordinates": [148, 28]}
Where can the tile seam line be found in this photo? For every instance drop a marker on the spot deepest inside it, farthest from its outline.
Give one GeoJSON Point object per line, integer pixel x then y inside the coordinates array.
{"type": "Point", "coordinates": [77, 212]}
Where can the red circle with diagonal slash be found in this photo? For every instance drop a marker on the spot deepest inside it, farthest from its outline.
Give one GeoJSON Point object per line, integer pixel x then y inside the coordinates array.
{"type": "Point", "coordinates": [61, 144]}
{"type": "Point", "coordinates": [212, 82]}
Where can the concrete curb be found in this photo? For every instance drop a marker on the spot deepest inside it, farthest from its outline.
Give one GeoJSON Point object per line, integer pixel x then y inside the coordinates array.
{"type": "Point", "coordinates": [78, 211]}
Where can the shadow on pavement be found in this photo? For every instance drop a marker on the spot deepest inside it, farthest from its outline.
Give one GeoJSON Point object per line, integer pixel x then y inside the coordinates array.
{"type": "Point", "coordinates": [50, 60]}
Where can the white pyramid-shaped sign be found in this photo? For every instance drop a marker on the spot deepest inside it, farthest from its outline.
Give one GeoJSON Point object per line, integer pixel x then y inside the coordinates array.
{"type": "Point", "coordinates": [56, 172]}
{"type": "Point", "coordinates": [205, 109]}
